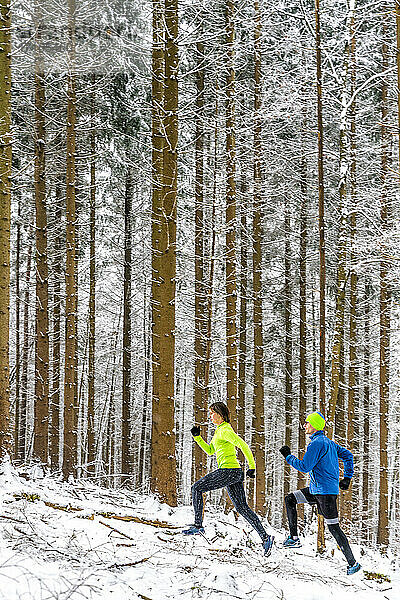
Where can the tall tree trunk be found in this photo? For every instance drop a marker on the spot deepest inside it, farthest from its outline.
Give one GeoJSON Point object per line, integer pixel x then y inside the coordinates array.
{"type": "Point", "coordinates": [91, 443]}
{"type": "Point", "coordinates": [5, 202]}
{"type": "Point", "coordinates": [338, 343]}
{"type": "Point", "coordinates": [366, 417]}
{"type": "Point", "coordinates": [353, 400]}
{"type": "Point", "coordinates": [107, 441]}
{"type": "Point", "coordinates": [301, 478]}
{"type": "Point", "coordinates": [258, 423]}
{"type": "Point", "coordinates": [41, 426]}
{"type": "Point", "coordinates": [158, 84]}
{"type": "Point", "coordinates": [71, 292]}
{"type": "Point", "coordinates": [126, 457]}
{"type": "Point", "coordinates": [241, 406]}
{"type": "Point", "coordinates": [200, 340]}
{"type": "Point", "coordinates": [230, 216]}
{"type": "Point", "coordinates": [212, 236]}
{"type": "Point", "coordinates": [384, 308]}
{"type": "Point", "coordinates": [163, 461]}
{"type": "Point", "coordinates": [288, 345]}
{"type": "Point", "coordinates": [398, 70]}
{"type": "Point", "coordinates": [321, 228]}
{"type": "Point", "coordinates": [25, 357]}
{"type": "Point", "coordinates": [17, 432]}
{"type": "Point", "coordinates": [314, 353]}
{"type": "Point", "coordinates": [143, 450]}
{"type": "Point", "coordinates": [56, 337]}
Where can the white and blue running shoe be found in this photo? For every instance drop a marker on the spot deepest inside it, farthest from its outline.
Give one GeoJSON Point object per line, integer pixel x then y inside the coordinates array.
{"type": "Point", "coordinates": [353, 569]}
{"type": "Point", "coordinates": [267, 545]}
{"type": "Point", "coordinates": [193, 530]}
{"type": "Point", "coordinates": [291, 543]}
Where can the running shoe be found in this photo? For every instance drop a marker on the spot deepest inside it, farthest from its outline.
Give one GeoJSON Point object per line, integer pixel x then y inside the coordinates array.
{"type": "Point", "coordinates": [193, 530]}
{"type": "Point", "coordinates": [291, 543]}
{"type": "Point", "coordinates": [267, 545]}
{"type": "Point", "coordinates": [353, 569]}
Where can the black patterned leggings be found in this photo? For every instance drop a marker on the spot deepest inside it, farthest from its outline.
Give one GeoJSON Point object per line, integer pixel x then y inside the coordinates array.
{"type": "Point", "coordinates": [232, 479]}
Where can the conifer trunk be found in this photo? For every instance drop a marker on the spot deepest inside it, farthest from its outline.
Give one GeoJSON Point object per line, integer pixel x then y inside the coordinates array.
{"type": "Point", "coordinates": [56, 337]}
{"type": "Point", "coordinates": [258, 422]}
{"type": "Point", "coordinates": [210, 282]}
{"type": "Point", "coordinates": [241, 406]}
{"type": "Point", "coordinates": [165, 66]}
{"type": "Point", "coordinates": [91, 443]}
{"type": "Point", "coordinates": [384, 310]}
{"type": "Point", "coordinates": [366, 417]}
{"type": "Point", "coordinates": [288, 345]}
{"type": "Point", "coordinates": [71, 292]}
{"type": "Point", "coordinates": [143, 450]}
{"type": "Point", "coordinates": [230, 218]}
{"type": "Point", "coordinates": [17, 335]}
{"type": "Point", "coordinates": [353, 411]}
{"type": "Point", "coordinates": [338, 343]}
{"type": "Point", "coordinates": [301, 478]}
{"type": "Point", "coordinates": [41, 425]}
{"type": "Point", "coordinates": [126, 445]}
{"type": "Point", "coordinates": [25, 357]}
{"type": "Point", "coordinates": [321, 228]}
{"type": "Point", "coordinates": [5, 204]}
{"type": "Point", "coordinates": [200, 403]}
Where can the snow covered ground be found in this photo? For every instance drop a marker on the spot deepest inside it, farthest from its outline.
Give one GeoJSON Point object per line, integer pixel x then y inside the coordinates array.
{"type": "Point", "coordinates": [49, 553]}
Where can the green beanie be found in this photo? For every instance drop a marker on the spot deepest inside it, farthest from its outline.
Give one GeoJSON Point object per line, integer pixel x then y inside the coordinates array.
{"type": "Point", "coordinates": [316, 420]}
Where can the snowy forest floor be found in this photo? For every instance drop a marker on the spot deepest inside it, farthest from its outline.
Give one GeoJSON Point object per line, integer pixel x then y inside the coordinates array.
{"type": "Point", "coordinates": [48, 551]}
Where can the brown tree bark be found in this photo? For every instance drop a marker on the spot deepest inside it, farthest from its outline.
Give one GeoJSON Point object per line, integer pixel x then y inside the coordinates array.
{"type": "Point", "coordinates": [230, 218]}
{"type": "Point", "coordinates": [366, 417]}
{"type": "Point", "coordinates": [288, 345]}
{"type": "Point", "coordinates": [56, 335]}
{"type": "Point", "coordinates": [321, 228]}
{"type": "Point", "coordinates": [24, 365]}
{"type": "Point", "coordinates": [211, 268]}
{"type": "Point", "coordinates": [71, 292]}
{"type": "Point", "coordinates": [91, 442]}
{"type": "Point", "coordinates": [258, 422]}
{"type": "Point", "coordinates": [144, 431]}
{"type": "Point", "coordinates": [242, 355]}
{"type": "Point", "coordinates": [41, 413]}
{"type": "Point", "coordinates": [5, 203]}
{"type": "Point", "coordinates": [126, 442]}
{"type": "Point", "coordinates": [17, 335]}
{"type": "Point", "coordinates": [353, 399]}
{"type": "Point", "coordinates": [165, 66]}
{"type": "Point", "coordinates": [384, 310]}
{"type": "Point", "coordinates": [301, 478]}
{"type": "Point", "coordinates": [200, 340]}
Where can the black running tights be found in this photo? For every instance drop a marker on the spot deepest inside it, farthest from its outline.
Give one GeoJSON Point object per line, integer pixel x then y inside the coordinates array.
{"type": "Point", "coordinates": [336, 531]}
{"type": "Point", "coordinates": [232, 479]}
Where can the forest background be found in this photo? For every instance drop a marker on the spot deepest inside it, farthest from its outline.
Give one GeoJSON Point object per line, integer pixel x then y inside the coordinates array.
{"type": "Point", "coordinates": [199, 202]}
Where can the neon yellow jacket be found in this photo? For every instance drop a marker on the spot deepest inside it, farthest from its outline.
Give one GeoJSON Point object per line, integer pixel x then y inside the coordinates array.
{"type": "Point", "coordinates": [224, 443]}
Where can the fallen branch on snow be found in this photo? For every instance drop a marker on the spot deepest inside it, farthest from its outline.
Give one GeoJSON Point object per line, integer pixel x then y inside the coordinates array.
{"type": "Point", "coordinates": [106, 515]}
{"type": "Point", "coordinates": [116, 530]}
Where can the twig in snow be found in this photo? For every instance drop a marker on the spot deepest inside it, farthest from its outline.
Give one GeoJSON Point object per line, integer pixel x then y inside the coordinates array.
{"type": "Point", "coordinates": [11, 518]}
{"type": "Point", "coordinates": [131, 564]}
{"type": "Point", "coordinates": [116, 530]}
{"type": "Point", "coordinates": [128, 518]}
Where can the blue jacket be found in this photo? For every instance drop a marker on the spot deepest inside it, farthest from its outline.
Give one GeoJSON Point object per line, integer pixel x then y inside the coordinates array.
{"type": "Point", "coordinates": [321, 460]}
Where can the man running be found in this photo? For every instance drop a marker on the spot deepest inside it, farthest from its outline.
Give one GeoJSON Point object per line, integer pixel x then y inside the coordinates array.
{"type": "Point", "coordinates": [321, 461]}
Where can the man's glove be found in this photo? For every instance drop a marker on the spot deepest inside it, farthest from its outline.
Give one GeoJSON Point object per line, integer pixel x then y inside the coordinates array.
{"type": "Point", "coordinates": [285, 451]}
{"type": "Point", "coordinates": [195, 431]}
{"type": "Point", "coordinates": [344, 483]}
{"type": "Point", "coordinates": [251, 473]}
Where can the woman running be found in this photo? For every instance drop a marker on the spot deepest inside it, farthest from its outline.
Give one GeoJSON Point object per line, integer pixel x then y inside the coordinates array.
{"type": "Point", "coordinates": [229, 474]}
